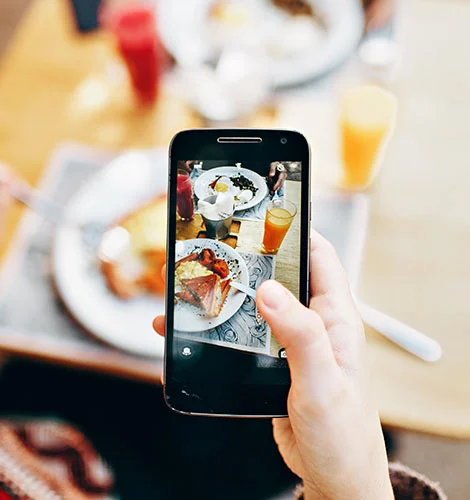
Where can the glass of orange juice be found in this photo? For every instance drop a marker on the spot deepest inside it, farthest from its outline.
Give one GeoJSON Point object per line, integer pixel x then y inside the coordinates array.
{"type": "Point", "coordinates": [367, 121]}
{"type": "Point", "coordinates": [279, 216]}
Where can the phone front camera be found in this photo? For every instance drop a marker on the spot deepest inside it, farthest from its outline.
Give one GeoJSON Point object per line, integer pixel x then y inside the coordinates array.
{"type": "Point", "coordinates": [283, 140]}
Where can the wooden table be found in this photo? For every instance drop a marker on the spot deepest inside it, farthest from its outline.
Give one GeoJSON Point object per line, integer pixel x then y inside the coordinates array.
{"type": "Point", "coordinates": [416, 260]}
{"type": "Point", "coordinates": [416, 264]}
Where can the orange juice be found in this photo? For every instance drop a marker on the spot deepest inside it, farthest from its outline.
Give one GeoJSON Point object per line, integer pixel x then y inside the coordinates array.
{"type": "Point", "coordinates": [276, 225]}
{"type": "Point", "coordinates": [367, 121]}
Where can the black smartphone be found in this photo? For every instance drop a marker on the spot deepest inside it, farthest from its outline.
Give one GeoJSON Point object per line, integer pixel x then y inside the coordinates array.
{"type": "Point", "coordinates": [238, 214]}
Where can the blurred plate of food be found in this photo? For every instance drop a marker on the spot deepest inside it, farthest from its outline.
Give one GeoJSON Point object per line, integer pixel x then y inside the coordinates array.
{"type": "Point", "coordinates": [116, 300]}
{"type": "Point", "coordinates": [300, 39]}
{"type": "Point", "coordinates": [247, 187]}
{"type": "Point", "coordinates": [204, 270]}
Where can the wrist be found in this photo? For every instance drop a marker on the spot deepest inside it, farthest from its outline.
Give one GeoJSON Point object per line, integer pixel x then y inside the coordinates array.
{"type": "Point", "coordinates": [383, 491]}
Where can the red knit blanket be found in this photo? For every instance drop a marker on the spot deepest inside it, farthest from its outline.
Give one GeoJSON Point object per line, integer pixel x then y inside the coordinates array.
{"type": "Point", "coordinates": [48, 460]}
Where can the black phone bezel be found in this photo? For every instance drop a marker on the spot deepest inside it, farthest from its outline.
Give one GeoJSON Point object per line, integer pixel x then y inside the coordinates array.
{"type": "Point", "coordinates": [263, 398]}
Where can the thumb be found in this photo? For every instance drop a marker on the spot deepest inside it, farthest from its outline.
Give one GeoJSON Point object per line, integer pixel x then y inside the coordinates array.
{"type": "Point", "coordinates": [301, 332]}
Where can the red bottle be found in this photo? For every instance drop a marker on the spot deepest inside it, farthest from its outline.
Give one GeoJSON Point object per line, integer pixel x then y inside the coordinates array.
{"type": "Point", "coordinates": [184, 197]}
{"type": "Point", "coordinates": [134, 27]}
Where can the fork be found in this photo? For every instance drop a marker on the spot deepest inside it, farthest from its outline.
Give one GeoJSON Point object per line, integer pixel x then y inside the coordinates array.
{"type": "Point", "coordinates": [96, 236]}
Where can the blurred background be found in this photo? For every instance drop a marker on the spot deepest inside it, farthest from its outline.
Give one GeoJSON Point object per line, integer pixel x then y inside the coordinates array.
{"type": "Point", "coordinates": [91, 93]}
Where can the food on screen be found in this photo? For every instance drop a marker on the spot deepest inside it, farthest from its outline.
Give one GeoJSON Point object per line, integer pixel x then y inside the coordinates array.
{"type": "Point", "coordinates": [241, 188]}
{"type": "Point", "coordinates": [204, 281]}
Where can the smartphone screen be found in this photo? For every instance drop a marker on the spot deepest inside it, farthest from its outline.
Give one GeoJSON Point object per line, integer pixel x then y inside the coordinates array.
{"type": "Point", "coordinates": [238, 217]}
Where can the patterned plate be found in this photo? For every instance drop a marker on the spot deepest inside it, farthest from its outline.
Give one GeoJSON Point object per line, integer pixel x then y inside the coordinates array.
{"type": "Point", "coordinates": [189, 318]}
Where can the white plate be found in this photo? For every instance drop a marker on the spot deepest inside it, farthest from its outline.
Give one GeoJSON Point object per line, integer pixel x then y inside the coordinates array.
{"type": "Point", "coordinates": [202, 189]}
{"type": "Point", "coordinates": [185, 30]}
{"type": "Point", "coordinates": [189, 318]}
{"type": "Point", "coordinates": [115, 190]}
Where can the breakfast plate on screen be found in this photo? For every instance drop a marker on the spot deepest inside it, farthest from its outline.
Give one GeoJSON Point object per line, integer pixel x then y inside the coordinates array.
{"type": "Point", "coordinates": [301, 39]}
{"type": "Point", "coordinates": [117, 302]}
{"type": "Point", "coordinates": [204, 298]}
{"type": "Point", "coordinates": [247, 187]}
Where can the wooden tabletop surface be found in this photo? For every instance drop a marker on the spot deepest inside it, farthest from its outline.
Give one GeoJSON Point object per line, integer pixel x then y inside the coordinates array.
{"type": "Point", "coordinates": [416, 264]}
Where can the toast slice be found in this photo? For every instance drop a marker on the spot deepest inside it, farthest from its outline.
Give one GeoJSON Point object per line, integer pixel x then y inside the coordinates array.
{"type": "Point", "coordinates": [139, 270]}
{"type": "Point", "coordinates": [187, 296]}
{"type": "Point", "coordinates": [205, 290]}
{"type": "Point", "coordinates": [208, 292]}
{"type": "Point", "coordinates": [225, 285]}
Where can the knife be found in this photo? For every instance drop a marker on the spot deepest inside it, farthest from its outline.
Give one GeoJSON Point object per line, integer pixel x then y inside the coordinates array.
{"type": "Point", "coordinates": [401, 334]}
{"type": "Point", "coordinates": [251, 292]}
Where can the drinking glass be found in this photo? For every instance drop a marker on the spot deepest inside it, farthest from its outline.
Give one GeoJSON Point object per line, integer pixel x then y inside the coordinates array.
{"type": "Point", "coordinates": [368, 115]}
{"type": "Point", "coordinates": [133, 26]}
{"type": "Point", "coordinates": [279, 216]}
{"type": "Point", "coordinates": [184, 196]}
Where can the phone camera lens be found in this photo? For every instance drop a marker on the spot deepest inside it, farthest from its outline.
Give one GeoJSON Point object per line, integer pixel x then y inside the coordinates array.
{"type": "Point", "coordinates": [283, 140]}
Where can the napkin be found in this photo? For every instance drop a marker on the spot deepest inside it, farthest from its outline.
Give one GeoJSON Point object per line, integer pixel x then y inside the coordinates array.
{"type": "Point", "coordinates": [220, 209]}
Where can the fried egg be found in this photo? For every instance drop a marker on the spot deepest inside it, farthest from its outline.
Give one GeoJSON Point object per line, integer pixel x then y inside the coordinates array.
{"type": "Point", "coordinates": [224, 185]}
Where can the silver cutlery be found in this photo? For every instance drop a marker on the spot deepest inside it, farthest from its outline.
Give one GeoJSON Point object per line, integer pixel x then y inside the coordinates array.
{"type": "Point", "coordinates": [97, 237]}
{"type": "Point", "coordinates": [251, 292]}
{"type": "Point", "coordinates": [401, 334]}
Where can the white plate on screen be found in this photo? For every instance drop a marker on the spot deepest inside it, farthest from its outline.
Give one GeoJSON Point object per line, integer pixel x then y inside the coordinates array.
{"type": "Point", "coordinates": [186, 31]}
{"type": "Point", "coordinates": [189, 318]}
{"type": "Point", "coordinates": [202, 187]}
{"type": "Point", "coordinates": [117, 189]}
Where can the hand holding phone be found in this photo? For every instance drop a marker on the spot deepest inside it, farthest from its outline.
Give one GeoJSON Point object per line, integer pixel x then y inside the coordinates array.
{"type": "Point", "coordinates": [332, 438]}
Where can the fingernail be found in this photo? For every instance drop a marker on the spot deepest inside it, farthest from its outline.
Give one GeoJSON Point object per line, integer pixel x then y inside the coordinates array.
{"type": "Point", "coordinates": [274, 295]}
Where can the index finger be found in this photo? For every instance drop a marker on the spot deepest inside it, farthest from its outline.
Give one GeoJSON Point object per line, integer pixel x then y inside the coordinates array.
{"type": "Point", "coordinates": [159, 325]}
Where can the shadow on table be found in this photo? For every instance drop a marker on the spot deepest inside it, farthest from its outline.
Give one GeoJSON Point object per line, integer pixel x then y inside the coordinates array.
{"type": "Point", "coordinates": [155, 453]}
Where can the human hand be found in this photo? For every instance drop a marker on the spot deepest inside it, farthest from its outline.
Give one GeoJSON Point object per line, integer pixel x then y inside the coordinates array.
{"type": "Point", "coordinates": [379, 13]}
{"type": "Point", "coordinates": [332, 438]}
{"type": "Point", "coordinates": [280, 180]}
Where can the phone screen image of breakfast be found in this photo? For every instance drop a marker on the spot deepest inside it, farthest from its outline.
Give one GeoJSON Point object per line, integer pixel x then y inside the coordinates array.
{"type": "Point", "coordinates": [237, 225]}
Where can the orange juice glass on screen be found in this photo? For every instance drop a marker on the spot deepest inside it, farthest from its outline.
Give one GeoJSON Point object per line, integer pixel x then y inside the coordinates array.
{"type": "Point", "coordinates": [368, 115]}
{"type": "Point", "coordinates": [279, 216]}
